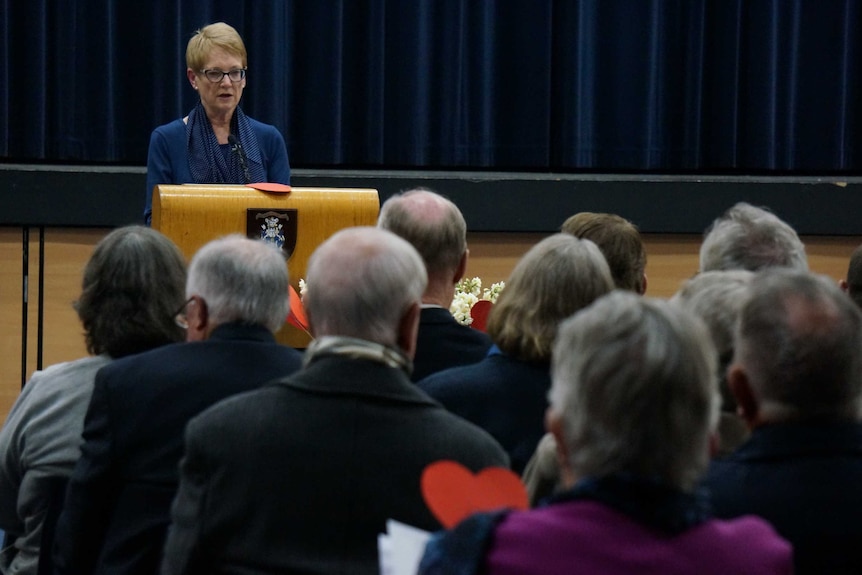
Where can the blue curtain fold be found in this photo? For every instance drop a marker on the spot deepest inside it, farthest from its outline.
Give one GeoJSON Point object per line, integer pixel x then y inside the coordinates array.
{"type": "Point", "coordinates": [544, 85]}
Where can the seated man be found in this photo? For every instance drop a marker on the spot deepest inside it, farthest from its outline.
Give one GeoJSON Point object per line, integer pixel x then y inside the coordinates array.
{"type": "Point", "coordinates": [118, 503]}
{"type": "Point", "coordinates": [435, 227]}
{"type": "Point", "coordinates": [746, 237]}
{"type": "Point", "coordinates": [301, 476]}
{"type": "Point", "coordinates": [797, 377]}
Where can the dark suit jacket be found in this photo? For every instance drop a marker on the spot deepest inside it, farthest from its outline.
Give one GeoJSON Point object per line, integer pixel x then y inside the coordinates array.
{"type": "Point", "coordinates": [117, 507]}
{"type": "Point", "coordinates": [301, 476]}
{"type": "Point", "coordinates": [502, 395]}
{"type": "Point", "coordinates": [805, 479]}
{"type": "Point", "coordinates": [443, 343]}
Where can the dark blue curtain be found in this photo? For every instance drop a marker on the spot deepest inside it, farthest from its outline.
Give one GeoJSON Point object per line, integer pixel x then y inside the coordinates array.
{"type": "Point", "coordinates": [544, 85]}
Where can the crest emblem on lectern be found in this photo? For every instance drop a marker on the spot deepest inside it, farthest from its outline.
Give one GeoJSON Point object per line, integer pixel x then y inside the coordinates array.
{"type": "Point", "coordinates": [275, 227]}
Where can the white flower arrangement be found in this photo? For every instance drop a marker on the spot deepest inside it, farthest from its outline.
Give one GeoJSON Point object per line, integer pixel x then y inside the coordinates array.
{"type": "Point", "coordinates": [469, 291]}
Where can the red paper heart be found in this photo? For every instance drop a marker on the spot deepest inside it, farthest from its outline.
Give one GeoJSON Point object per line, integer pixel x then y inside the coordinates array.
{"type": "Point", "coordinates": [270, 187]}
{"type": "Point", "coordinates": [479, 312]}
{"type": "Point", "coordinates": [452, 492]}
{"type": "Point", "coordinates": [296, 317]}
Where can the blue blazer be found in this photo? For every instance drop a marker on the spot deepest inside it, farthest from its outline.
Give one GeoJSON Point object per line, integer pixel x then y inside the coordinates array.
{"type": "Point", "coordinates": [117, 507]}
{"type": "Point", "coordinates": [805, 479]}
{"type": "Point", "coordinates": [443, 343]}
{"type": "Point", "coordinates": [168, 162]}
{"type": "Point", "coordinates": [502, 395]}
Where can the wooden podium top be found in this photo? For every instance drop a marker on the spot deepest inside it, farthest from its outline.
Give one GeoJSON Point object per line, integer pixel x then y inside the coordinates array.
{"type": "Point", "coordinates": [193, 214]}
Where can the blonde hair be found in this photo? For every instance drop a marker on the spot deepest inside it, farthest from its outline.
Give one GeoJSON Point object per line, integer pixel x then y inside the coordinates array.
{"type": "Point", "coordinates": [557, 277]}
{"type": "Point", "coordinates": [214, 36]}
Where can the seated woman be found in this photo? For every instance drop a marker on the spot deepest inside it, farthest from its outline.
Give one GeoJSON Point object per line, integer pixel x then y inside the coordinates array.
{"type": "Point", "coordinates": [715, 297]}
{"type": "Point", "coordinates": [133, 285]}
{"type": "Point", "coordinates": [506, 394]}
{"type": "Point", "coordinates": [634, 404]}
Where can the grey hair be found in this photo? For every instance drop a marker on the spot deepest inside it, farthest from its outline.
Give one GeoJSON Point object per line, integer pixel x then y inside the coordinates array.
{"type": "Point", "coordinates": [361, 281]}
{"type": "Point", "coordinates": [799, 339]}
{"type": "Point", "coordinates": [717, 298]}
{"type": "Point", "coordinates": [431, 223]}
{"type": "Point", "coordinates": [751, 238]}
{"type": "Point", "coordinates": [632, 379]}
{"type": "Point", "coordinates": [241, 280]}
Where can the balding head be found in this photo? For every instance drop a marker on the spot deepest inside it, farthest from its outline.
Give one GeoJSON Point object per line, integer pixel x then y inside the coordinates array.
{"type": "Point", "coordinates": [797, 349]}
{"type": "Point", "coordinates": [361, 282]}
{"type": "Point", "coordinates": [436, 228]}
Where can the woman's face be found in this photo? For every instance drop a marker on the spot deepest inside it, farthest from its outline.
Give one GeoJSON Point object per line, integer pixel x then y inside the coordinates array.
{"type": "Point", "coordinates": [218, 98]}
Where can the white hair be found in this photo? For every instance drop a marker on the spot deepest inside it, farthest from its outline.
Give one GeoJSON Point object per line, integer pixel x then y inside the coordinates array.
{"type": "Point", "coordinates": [241, 280]}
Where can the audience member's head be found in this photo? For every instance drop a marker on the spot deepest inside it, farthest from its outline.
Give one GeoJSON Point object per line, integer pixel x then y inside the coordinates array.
{"type": "Point", "coordinates": [555, 278]}
{"type": "Point", "coordinates": [717, 298]}
{"type": "Point", "coordinates": [634, 391]}
{"type": "Point", "coordinates": [619, 241]}
{"type": "Point", "coordinates": [436, 228]}
{"type": "Point", "coordinates": [132, 287]}
{"type": "Point", "coordinates": [797, 350]}
{"type": "Point", "coordinates": [853, 284]}
{"type": "Point", "coordinates": [751, 238]}
{"type": "Point", "coordinates": [236, 279]}
{"type": "Point", "coordinates": [366, 283]}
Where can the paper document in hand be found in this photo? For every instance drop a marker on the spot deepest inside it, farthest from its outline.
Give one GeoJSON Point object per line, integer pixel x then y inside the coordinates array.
{"type": "Point", "coordinates": [400, 549]}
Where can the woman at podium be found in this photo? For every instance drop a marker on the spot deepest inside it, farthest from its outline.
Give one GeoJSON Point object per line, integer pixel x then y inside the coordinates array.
{"type": "Point", "coordinates": [216, 142]}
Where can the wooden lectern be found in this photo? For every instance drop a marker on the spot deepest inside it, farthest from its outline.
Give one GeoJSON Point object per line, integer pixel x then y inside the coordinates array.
{"type": "Point", "coordinates": [193, 214]}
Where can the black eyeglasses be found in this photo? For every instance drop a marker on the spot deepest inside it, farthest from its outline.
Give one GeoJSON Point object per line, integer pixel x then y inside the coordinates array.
{"type": "Point", "coordinates": [180, 318]}
{"type": "Point", "coordinates": [216, 76]}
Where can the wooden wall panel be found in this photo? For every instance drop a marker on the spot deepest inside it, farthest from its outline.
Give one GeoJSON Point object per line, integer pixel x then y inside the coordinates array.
{"type": "Point", "coordinates": [671, 260]}
{"type": "Point", "coordinates": [66, 252]}
{"type": "Point", "coordinates": [11, 277]}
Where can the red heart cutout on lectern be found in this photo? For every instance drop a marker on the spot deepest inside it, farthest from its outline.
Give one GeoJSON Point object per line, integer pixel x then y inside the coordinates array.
{"type": "Point", "coordinates": [296, 317]}
{"type": "Point", "coordinates": [479, 312]}
{"type": "Point", "coordinates": [452, 492]}
{"type": "Point", "coordinates": [270, 187]}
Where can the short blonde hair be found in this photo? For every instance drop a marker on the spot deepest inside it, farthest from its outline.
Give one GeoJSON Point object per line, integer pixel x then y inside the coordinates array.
{"type": "Point", "coordinates": [557, 277]}
{"type": "Point", "coordinates": [214, 36]}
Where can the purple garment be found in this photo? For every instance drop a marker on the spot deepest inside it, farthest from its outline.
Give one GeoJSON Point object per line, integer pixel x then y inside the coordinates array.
{"type": "Point", "coordinates": [586, 537]}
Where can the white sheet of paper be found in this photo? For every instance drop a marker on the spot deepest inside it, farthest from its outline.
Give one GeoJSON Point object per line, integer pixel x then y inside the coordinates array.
{"type": "Point", "coordinates": [400, 548]}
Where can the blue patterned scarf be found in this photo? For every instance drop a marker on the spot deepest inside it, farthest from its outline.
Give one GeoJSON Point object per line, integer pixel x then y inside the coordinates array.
{"type": "Point", "coordinates": [208, 164]}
